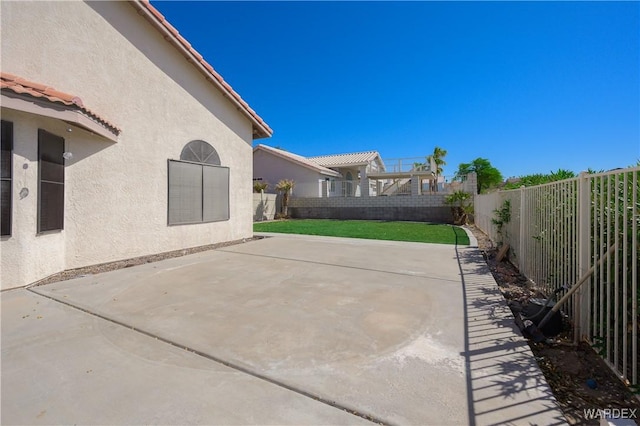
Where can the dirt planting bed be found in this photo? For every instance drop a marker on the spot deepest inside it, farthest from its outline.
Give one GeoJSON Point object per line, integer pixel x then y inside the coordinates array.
{"type": "Point", "coordinates": [578, 376]}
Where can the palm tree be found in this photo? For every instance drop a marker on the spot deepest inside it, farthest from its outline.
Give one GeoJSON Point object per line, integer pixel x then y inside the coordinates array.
{"type": "Point", "coordinates": [285, 186]}
{"type": "Point", "coordinates": [438, 159]}
{"type": "Point", "coordinates": [419, 166]}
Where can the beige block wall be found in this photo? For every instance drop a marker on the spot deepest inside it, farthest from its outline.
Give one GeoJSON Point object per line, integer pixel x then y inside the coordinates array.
{"type": "Point", "coordinates": [116, 193]}
{"type": "Point", "coordinates": [428, 207]}
{"type": "Point", "coordinates": [265, 206]}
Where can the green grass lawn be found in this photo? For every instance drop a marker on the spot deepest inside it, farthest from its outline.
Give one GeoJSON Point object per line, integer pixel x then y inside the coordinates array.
{"type": "Point", "coordinates": [370, 229]}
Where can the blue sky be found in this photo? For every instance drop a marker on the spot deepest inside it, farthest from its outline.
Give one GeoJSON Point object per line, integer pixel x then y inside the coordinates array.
{"type": "Point", "coordinates": [531, 86]}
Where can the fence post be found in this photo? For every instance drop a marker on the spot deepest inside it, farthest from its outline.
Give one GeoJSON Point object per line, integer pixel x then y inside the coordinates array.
{"type": "Point", "coordinates": [521, 239]}
{"type": "Point", "coordinates": [582, 302]}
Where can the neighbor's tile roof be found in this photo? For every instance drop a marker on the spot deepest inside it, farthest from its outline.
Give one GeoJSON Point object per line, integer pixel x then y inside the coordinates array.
{"type": "Point", "coordinates": [21, 86]}
{"type": "Point", "coordinates": [350, 159]}
{"type": "Point", "coordinates": [261, 129]}
{"type": "Point", "coordinates": [297, 159]}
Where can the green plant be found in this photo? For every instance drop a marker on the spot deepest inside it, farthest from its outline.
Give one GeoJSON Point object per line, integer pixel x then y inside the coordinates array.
{"type": "Point", "coordinates": [285, 186]}
{"type": "Point", "coordinates": [539, 179]}
{"type": "Point", "coordinates": [461, 206]}
{"type": "Point", "coordinates": [503, 216]}
{"type": "Point", "coordinates": [260, 186]}
{"type": "Point", "coordinates": [438, 159]}
{"type": "Point", "coordinates": [487, 175]}
{"type": "Point", "coordinates": [419, 166]}
{"type": "Point", "coordinates": [599, 345]}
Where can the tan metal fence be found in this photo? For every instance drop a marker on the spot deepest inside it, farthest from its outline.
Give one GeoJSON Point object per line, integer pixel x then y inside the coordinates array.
{"type": "Point", "coordinates": [558, 231]}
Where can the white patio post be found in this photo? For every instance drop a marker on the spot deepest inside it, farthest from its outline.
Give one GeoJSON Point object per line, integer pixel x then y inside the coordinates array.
{"type": "Point", "coordinates": [364, 182]}
{"type": "Point", "coordinates": [415, 186]}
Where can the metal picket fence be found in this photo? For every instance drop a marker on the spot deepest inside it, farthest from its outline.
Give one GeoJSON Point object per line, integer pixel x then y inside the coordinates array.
{"type": "Point", "coordinates": [561, 231]}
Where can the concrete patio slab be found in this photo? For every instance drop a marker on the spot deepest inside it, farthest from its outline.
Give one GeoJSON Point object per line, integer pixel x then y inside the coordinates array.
{"type": "Point", "coordinates": [64, 366]}
{"type": "Point", "coordinates": [398, 333]}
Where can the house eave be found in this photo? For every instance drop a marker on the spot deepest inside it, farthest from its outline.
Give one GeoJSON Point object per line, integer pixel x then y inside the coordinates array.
{"type": "Point", "coordinates": [347, 165]}
{"type": "Point", "coordinates": [400, 175]}
{"type": "Point", "coordinates": [318, 169]}
{"type": "Point", "coordinates": [260, 128]}
{"type": "Point", "coordinates": [70, 115]}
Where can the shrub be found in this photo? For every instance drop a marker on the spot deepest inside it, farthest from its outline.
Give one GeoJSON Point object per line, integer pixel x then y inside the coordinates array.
{"type": "Point", "coordinates": [461, 206]}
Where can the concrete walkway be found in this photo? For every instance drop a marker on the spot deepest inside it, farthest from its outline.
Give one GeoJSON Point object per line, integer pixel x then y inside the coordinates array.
{"type": "Point", "coordinates": [283, 330]}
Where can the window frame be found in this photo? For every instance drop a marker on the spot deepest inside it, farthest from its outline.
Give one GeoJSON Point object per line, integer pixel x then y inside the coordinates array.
{"type": "Point", "coordinates": [7, 222]}
{"type": "Point", "coordinates": [42, 134]}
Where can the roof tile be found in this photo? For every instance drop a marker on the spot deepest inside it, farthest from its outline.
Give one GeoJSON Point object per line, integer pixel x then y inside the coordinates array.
{"type": "Point", "coordinates": [38, 87]}
{"type": "Point", "coordinates": [153, 10]}
{"type": "Point", "coordinates": [171, 28]}
{"type": "Point", "coordinates": [207, 66]}
{"type": "Point", "coordinates": [183, 40]}
{"type": "Point", "coordinates": [355, 158]}
{"type": "Point", "coordinates": [9, 77]}
{"type": "Point", "coordinates": [21, 86]}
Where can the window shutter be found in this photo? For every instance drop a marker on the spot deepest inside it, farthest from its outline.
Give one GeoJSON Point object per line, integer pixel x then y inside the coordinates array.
{"type": "Point", "coordinates": [185, 193]}
{"type": "Point", "coordinates": [216, 193]}
{"type": "Point", "coordinates": [51, 181]}
{"type": "Point", "coordinates": [6, 174]}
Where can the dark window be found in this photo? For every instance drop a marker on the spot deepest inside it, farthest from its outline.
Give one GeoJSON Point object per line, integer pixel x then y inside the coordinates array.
{"type": "Point", "coordinates": [50, 182]}
{"type": "Point", "coordinates": [6, 175]}
{"type": "Point", "coordinates": [198, 186]}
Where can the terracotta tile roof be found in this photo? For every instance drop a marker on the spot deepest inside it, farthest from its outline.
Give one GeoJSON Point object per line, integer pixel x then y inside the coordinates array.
{"type": "Point", "coordinates": [349, 159]}
{"type": "Point", "coordinates": [305, 162]}
{"type": "Point", "coordinates": [21, 86]}
{"type": "Point", "coordinates": [260, 128]}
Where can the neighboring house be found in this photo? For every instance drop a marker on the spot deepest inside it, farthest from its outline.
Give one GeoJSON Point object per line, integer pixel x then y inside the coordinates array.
{"type": "Point", "coordinates": [354, 167]}
{"type": "Point", "coordinates": [327, 175]}
{"type": "Point", "coordinates": [141, 148]}
{"type": "Point", "coordinates": [270, 165]}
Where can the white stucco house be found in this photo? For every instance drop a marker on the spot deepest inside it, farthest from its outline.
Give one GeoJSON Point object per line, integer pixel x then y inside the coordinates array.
{"type": "Point", "coordinates": [270, 165]}
{"type": "Point", "coordinates": [352, 164]}
{"type": "Point", "coordinates": [118, 140]}
{"type": "Point", "coordinates": [354, 168]}
{"type": "Point", "coordinates": [320, 176]}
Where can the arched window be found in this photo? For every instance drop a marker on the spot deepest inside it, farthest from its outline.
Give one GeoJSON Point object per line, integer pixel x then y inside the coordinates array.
{"type": "Point", "coordinates": [198, 186]}
{"type": "Point", "coordinates": [200, 152]}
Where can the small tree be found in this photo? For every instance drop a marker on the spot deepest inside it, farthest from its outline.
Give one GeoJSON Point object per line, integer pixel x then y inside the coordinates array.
{"type": "Point", "coordinates": [438, 159]}
{"type": "Point", "coordinates": [488, 176]}
{"type": "Point", "coordinates": [258, 186]}
{"type": "Point", "coordinates": [461, 206]}
{"type": "Point", "coordinates": [419, 166]}
{"type": "Point", "coordinates": [285, 186]}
